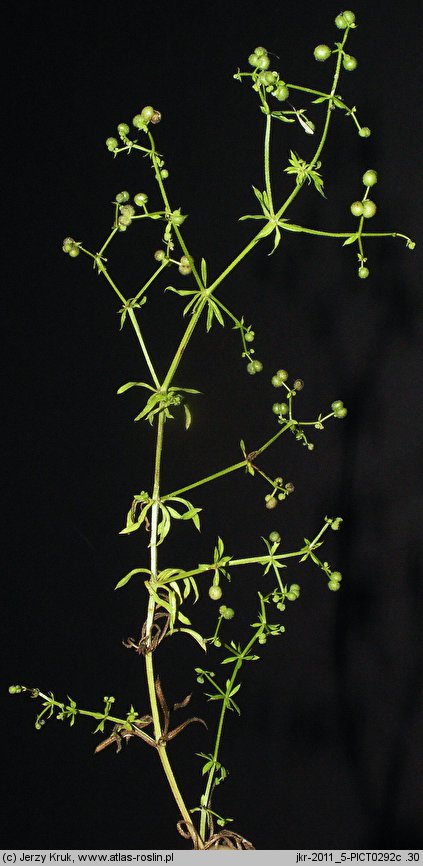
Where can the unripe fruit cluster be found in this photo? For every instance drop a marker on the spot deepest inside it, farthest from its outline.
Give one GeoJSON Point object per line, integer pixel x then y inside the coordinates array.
{"type": "Point", "coordinates": [345, 19]}
{"type": "Point", "coordinates": [184, 266]}
{"type": "Point", "coordinates": [127, 211]}
{"type": "Point", "coordinates": [259, 58]}
{"type": "Point", "coordinates": [254, 367]}
{"type": "Point", "coordinates": [270, 80]}
{"type": "Point", "coordinates": [70, 247]}
{"type": "Point", "coordinates": [148, 114]}
{"type": "Point", "coordinates": [334, 582]}
{"type": "Point", "coordinates": [226, 612]}
{"type": "Point", "coordinates": [365, 208]}
{"type": "Point", "coordinates": [111, 143]}
{"type": "Point", "coordinates": [279, 378]}
{"type": "Point", "coordinates": [280, 408]}
{"type": "Point", "coordinates": [293, 592]}
{"type": "Point", "coordinates": [338, 409]}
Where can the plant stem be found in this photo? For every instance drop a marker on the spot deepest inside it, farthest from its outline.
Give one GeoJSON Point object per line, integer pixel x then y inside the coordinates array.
{"type": "Point", "coordinates": [267, 161]}
{"type": "Point", "coordinates": [137, 330]}
{"type": "Point", "coordinates": [149, 666]}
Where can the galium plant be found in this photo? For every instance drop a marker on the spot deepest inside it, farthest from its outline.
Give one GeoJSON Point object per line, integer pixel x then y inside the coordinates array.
{"type": "Point", "coordinates": [170, 591]}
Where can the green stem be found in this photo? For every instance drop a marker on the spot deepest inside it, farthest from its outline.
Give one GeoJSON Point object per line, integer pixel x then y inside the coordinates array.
{"type": "Point", "coordinates": [267, 161]}
{"type": "Point", "coordinates": [107, 241]}
{"type": "Point", "coordinates": [205, 480]}
{"type": "Point", "coordinates": [104, 271]}
{"type": "Point", "coordinates": [137, 330]}
{"type": "Point", "coordinates": [149, 666]}
{"type": "Point", "coordinates": [148, 283]}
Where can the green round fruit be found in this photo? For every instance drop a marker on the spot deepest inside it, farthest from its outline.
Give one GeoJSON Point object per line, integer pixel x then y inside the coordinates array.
{"type": "Point", "coordinates": [253, 60]}
{"type": "Point", "coordinates": [140, 198]}
{"type": "Point", "coordinates": [349, 16]}
{"type": "Point", "coordinates": [258, 366]}
{"type": "Point", "coordinates": [349, 63]}
{"type": "Point", "coordinates": [274, 537]}
{"type": "Point", "coordinates": [322, 52]}
{"type": "Point", "coordinates": [249, 336]}
{"type": "Point", "coordinates": [364, 132]}
{"type": "Point", "coordinates": [122, 196]}
{"type": "Point", "coordinates": [111, 143]}
{"type": "Point", "coordinates": [341, 22]}
{"type": "Point", "coordinates": [159, 255]}
{"type": "Point", "coordinates": [363, 273]}
{"type": "Point", "coordinates": [147, 113]}
{"type": "Point", "coordinates": [370, 177]}
{"type": "Point", "coordinates": [215, 593]}
{"type": "Point", "coordinates": [123, 128]}
{"type": "Point", "coordinates": [369, 208]}
{"type": "Point", "coordinates": [74, 252]}
{"type": "Point", "coordinates": [281, 93]}
{"type": "Point", "coordinates": [263, 62]}
{"type": "Point", "coordinates": [337, 404]}
{"type": "Point", "coordinates": [357, 208]}
{"type": "Point", "coordinates": [229, 613]}
{"type": "Point", "coordinates": [138, 121]}
{"type": "Point", "coordinates": [282, 375]}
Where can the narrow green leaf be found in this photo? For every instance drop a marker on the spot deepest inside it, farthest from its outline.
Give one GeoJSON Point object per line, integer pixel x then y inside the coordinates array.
{"type": "Point", "coordinates": [351, 240]}
{"type": "Point", "coordinates": [218, 314]}
{"type": "Point", "coordinates": [259, 195]}
{"type": "Point", "coordinates": [124, 580]}
{"type": "Point", "coordinates": [194, 634]}
{"type": "Point", "coordinates": [187, 417]}
{"type": "Point", "coordinates": [204, 272]}
{"type": "Point", "coordinates": [128, 385]}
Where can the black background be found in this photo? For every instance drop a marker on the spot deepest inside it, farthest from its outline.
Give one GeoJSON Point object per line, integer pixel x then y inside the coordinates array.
{"type": "Point", "coordinates": [328, 748]}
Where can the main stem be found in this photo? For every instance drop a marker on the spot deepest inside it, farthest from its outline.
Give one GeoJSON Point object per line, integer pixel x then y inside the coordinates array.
{"type": "Point", "coordinates": [149, 666]}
